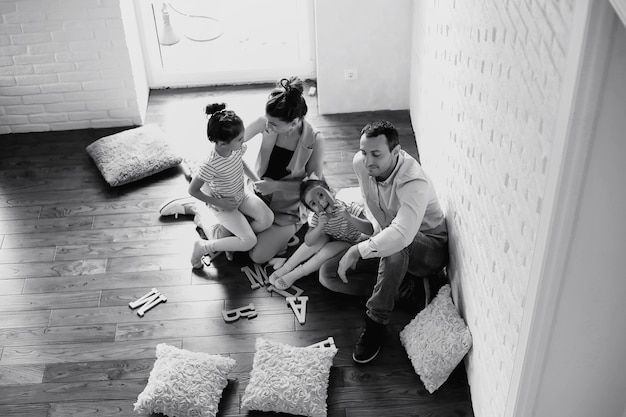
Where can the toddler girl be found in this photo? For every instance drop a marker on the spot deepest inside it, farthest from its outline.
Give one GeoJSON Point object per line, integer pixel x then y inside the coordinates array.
{"type": "Point", "coordinates": [334, 226]}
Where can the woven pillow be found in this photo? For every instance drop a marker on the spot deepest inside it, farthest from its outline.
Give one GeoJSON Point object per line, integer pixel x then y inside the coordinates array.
{"type": "Point", "coordinates": [184, 383]}
{"type": "Point", "coordinates": [287, 379]}
{"type": "Point", "coordinates": [436, 340]}
{"type": "Point", "coordinates": [133, 154]}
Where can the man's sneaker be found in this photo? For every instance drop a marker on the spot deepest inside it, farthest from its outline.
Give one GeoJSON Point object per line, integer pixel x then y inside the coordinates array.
{"type": "Point", "coordinates": [177, 206]}
{"type": "Point", "coordinates": [368, 345]}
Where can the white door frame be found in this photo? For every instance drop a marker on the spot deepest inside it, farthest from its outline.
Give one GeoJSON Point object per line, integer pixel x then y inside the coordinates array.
{"type": "Point", "coordinates": [582, 82]}
{"type": "Point", "coordinates": [157, 78]}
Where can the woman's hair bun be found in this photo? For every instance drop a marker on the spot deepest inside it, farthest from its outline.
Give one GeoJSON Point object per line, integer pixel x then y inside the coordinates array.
{"type": "Point", "coordinates": [292, 86]}
{"type": "Point", "coordinates": [214, 108]}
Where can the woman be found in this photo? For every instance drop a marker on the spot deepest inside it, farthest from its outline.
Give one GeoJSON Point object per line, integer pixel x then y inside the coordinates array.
{"type": "Point", "coordinates": [291, 149]}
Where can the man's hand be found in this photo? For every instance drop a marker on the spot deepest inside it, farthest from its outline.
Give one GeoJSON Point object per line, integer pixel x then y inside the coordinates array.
{"type": "Point", "coordinates": [348, 261]}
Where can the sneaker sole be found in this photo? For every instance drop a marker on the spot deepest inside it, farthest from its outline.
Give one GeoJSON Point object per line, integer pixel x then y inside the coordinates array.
{"type": "Point", "coordinates": [163, 207]}
{"type": "Point", "coordinates": [371, 358]}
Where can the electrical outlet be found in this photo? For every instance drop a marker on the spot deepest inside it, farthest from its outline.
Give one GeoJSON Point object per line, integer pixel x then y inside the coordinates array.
{"type": "Point", "coordinates": [350, 74]}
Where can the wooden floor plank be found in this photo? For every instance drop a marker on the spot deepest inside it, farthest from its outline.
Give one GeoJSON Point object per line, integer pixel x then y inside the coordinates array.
{"type": "Point", "coordinates": [23, 410]}
{"type": "Point", "coordinates": [121, 249]}
{"type": "Point", "coordinates": [84, 351]}
{"type": "Point", "coordinates": [98, 370]}
{"type": "Point", "coordinates": [76, 237]}
{"type": "Point", "coordinates": [11, 319]}
{"type": "Point", "coordinates": [21, 374]}
{"type": "Point", "coordinates": [26, 255]}
{"type": "Point", "coordinates": [62, 301]}
{"type": "Point", "coordinates": [35, 336]}
{"type": "Point", "coordinates": [19, 213]}
{"type": "Point", "coordinates": [81, 208]}
{"type": "Point", "coordinates": [100, 408]}
{"type": "Point", "coordinates": [46, 393]}
{"type": "Point", "coordinates": [45, 225]}
{"type": "Point", "coordinates": [53, 269]}
{"type": "Point", "coordinates": [107, 281]}
{"type": "Point", "coordinates": [201, 327]}
{"type": "Point", "coordinates": [11, 286]}
{"type": "Point", "coordinates": [124, 314]}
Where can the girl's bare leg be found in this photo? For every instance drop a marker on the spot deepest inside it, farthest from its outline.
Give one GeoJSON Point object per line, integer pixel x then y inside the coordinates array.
{"type": "Point", "coordinates": [301, 254]}
{"type": "Point", "coordinates": [314, 263]}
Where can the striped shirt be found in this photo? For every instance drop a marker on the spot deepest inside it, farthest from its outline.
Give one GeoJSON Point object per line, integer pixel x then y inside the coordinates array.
{"type": "Point", "coordinates": [223, 177]}
{"type": "Point", "coordinates": [337, 226]}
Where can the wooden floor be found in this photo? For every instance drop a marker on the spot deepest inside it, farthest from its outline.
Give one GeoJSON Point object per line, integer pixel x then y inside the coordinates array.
{"type": "Point", "coordinates": [74, 252]}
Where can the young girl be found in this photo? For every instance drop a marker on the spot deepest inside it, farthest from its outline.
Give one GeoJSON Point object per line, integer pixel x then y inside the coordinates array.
{"type": "Point", "coordinates": [333, 227]}
{"type": "Point", "coordinates": [220, 184]}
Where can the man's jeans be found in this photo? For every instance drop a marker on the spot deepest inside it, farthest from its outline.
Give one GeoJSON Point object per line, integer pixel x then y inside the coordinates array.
{"type": "Point", "coordinates": [380, 278]}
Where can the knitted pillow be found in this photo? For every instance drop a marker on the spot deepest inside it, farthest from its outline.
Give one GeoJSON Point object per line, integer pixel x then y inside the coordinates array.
{"type": "Point", "coordinates": [133, 154]}
{"type": "Point", "coordinates": [436, 340]}
{"type": "Point", "coordinates": [287, 379]}
{"type": "Point", "coordinates": [184, 383]}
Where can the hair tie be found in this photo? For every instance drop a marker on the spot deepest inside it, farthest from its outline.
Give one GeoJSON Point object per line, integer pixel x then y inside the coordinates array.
{"type": "Point", "coordinates": [284, 83]}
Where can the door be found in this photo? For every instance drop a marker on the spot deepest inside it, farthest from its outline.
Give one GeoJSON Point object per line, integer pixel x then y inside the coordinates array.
{"type": "Point", "coordinates": [207, 42]}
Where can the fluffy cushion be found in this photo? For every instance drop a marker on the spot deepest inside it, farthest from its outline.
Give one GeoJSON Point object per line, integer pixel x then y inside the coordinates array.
{"type": "Point", "coordinates": [184, 383]}
{"type": "Point", "coordinates": [436, 340]}
{"type": "Point", "coordinates": [133, 154]}
{"type": "Point", "coordinates": [289, 379]}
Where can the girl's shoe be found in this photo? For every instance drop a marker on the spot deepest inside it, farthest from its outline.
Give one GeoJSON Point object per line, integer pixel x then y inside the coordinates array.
{"type": "Point", "coordinates": [178, 206]}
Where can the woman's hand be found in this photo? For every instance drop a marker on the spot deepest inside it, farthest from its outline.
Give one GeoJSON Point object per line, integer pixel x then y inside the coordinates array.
{"type": "Point", "coordinates": [266, 186]}
{"type": "Point", "coordinates": [226, 203]}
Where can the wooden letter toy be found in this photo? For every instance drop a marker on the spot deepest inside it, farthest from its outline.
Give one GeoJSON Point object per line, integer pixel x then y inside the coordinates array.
{"type": "Point", "coordinates": [298, 305]}
{"type": "Point", "coordinates": [328, 343]}
{"type": "Point", "coordinates": [147, 301]}
{"type": "Point", "coordinates": [236, 313]}
{"type": "Point", "coordinates": [257, 278]}
{"type": "Point", "coordinates": [286, 293]}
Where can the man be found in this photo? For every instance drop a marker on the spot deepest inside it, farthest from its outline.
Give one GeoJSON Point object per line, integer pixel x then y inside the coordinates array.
{"type": "Point", "coordinates": [410, 233]}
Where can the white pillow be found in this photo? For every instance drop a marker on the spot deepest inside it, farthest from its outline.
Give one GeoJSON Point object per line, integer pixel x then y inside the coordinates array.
{"type": "Point", "coordinates": [184, 383]}
{"type": "Point", "coordinates": [287, 379]}
{"type": "Point", "coordinates": [436, 340]}
{"type": "Point", "coordinates": [133, 154]}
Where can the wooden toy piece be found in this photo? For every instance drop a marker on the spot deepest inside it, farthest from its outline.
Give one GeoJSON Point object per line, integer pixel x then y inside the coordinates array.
{"type": "Point", "coordinates": [286, 293]}
{"type": "Point", "coordinates": [236, 313]}
{"type": "Point", "coordinates": [160, 298]}
{"type": "Point", "coordinates": [298, 305]}
{"type": "Point", "coordinates": [261, 274]}
{"type": "Point", "coordinates": [150, 296]}
{"type": "Point", "coordinates": [253, 284]}
{"type": "Point", "coordinates": [328, 343]}
{"type": "Point", "coordinates": [207, 260]}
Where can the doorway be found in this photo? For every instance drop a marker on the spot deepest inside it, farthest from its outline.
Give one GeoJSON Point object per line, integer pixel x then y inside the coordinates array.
{"type": "Point", "coordinates": [190, 43]}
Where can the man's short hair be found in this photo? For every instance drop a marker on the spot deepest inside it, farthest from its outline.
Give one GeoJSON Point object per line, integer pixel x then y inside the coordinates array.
{"type": "Point", "coordinates": [382, 127]}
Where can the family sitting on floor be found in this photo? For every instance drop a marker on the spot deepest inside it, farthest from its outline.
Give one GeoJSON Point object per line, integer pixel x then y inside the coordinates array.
{"type": "Point", "coordinates": [402, 238]}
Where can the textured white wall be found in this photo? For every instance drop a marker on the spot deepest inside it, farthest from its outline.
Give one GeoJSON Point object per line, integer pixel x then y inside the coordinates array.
{"type": "Point", "coordinates": [65, 64]}
{"type": "Point", "coordinates": [485, 84]}
{"type": "Point", "coordinates": [371, 36]}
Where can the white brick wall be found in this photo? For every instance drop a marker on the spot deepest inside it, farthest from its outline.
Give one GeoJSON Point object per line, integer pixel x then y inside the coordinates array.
{"type": "Point", "coordinates": [485, 81]}
{"type": "Point", "coordinates": [65, 64]}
